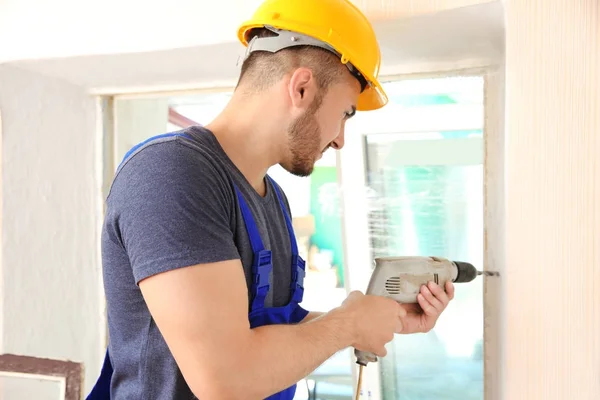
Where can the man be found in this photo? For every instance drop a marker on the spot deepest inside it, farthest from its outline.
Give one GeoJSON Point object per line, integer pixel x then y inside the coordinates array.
{"type": "Point", "coordinates": [202, 274]}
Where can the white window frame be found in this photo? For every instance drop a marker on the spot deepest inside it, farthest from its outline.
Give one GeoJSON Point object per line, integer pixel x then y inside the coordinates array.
{"type": "Point", "coordinates": [350, 163]}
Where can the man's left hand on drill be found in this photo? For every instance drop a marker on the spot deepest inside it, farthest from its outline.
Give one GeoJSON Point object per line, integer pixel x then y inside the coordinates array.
{"type": "Point", "coordinates": [432, 301]}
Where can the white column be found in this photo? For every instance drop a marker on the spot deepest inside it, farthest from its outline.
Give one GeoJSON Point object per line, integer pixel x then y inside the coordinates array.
{"type": "Point", "coordinates": [137, 120]}
{"type": "Point", "coordinates": [551, 282]}
{"type": "Point", "coordinates": [494, 230]}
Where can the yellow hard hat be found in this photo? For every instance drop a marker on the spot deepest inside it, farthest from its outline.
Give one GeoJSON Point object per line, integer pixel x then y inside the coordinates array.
{"type": "Point", "coordinates": [335, 25]}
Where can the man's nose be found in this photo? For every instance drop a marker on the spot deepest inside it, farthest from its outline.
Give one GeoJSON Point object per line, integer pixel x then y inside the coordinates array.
{"type": "Point", "coordinates": [338, 142]}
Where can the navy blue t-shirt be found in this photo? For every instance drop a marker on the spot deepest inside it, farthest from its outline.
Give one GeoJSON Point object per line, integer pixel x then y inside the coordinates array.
{"type": "Point", "coordinates": [172, 204]}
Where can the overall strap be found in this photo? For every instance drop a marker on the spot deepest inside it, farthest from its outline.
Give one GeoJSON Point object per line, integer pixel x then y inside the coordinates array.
{"type": "Point", "coordinates": [261, 264]}
{"type": "Point", "coordinates": [101, 390]}
{"type": "Point", "coordinates": [298, 264]}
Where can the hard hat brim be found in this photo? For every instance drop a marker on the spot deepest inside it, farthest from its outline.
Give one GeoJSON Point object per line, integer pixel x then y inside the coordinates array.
{"type": "Point", "coordinates": [372, 98]}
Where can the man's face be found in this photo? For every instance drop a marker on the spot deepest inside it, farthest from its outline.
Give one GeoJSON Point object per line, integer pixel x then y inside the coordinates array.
{"type": "Point", "coordinates": [321, 126]}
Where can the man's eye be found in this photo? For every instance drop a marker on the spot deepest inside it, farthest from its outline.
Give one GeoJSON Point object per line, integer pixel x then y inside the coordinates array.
{"type": "Point", "coordinates": [350, 114]}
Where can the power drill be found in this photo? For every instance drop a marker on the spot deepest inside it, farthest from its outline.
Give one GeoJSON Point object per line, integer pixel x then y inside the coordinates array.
{"type": "Point", "coordinates": [401, 279]}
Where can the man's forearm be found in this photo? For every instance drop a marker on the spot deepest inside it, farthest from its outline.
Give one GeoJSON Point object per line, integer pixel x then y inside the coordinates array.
{"type": "Point", "coordinates": [277, 356]}
{"type": "Point", "coordinates": [290, 353]}
{"type": "Point", "coordinates": [312, 315]}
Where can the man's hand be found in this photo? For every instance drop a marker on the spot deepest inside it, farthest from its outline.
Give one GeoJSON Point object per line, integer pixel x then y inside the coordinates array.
{"type": "Point", "coordinates": [432, 301]}
{"type": "Point", "coordinates": [374, 321]}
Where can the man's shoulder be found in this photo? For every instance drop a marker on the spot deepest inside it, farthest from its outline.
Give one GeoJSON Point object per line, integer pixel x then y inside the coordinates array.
{"type": "Point", "coordinates": [177, 167]}
{"type": "Point", "coordinates": [175, 155]}
{"type": "Point", "coordinates": [174, 149]}
{"type": "Point", "coordinates": [171, 204]}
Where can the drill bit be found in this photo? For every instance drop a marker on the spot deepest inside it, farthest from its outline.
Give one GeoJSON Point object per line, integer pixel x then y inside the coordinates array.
{"type": "Point", "coordinates": [488, 273]}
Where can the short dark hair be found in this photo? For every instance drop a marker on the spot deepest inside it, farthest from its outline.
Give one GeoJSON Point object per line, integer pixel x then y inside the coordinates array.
{"type": "Point", "coordinates": [262, 68]}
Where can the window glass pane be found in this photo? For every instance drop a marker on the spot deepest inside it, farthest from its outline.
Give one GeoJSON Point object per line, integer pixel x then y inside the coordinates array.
{"type": "Point", "coordinates": [433, 210]}
{"type": "Point", "coordinates": [426, 198]}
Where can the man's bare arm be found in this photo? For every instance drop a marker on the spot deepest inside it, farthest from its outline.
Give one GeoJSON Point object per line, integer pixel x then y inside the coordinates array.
{"type": "Point", "coordinates": [202, 311]}
{"type": "Point", "coordinates": [312, 315]}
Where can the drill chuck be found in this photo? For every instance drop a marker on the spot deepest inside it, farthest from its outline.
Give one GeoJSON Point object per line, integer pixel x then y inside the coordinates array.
{"type": "Point", "coordinates": [466, 272]}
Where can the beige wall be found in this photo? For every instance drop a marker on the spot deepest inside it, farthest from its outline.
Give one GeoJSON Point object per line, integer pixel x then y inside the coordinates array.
{"type": "Point", "coordinates": [1, 230]}
{"type": "Point", "coordinates": [551, 292]}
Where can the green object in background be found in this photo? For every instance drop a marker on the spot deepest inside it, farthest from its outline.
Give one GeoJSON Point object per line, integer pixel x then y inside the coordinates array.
{"type": "Point", "coordinates": [325, 207]}
{"type": "Point", "coordinates": [414, 100]}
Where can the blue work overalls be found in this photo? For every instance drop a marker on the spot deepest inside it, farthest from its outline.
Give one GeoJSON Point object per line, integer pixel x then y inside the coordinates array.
{"type": "Point", "coordinates": [259, 315]}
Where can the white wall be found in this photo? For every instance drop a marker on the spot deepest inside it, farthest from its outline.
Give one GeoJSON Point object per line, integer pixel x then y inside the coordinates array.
{"type": "Point", "coordinates": [51, 287]}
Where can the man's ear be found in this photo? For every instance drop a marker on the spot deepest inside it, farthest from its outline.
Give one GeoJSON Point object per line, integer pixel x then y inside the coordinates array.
{"type": "Point", "coordinates": [302, 88]}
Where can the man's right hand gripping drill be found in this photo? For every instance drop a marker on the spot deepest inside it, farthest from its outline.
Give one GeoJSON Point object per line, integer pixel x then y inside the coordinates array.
{"type": "Point", "coordinates": [212, 340]}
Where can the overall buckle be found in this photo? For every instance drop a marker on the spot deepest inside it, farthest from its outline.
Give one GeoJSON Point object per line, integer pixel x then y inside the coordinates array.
{"type": "Point", "coordinates": [299, 271]}
{"type": "Point", "coordinates": [261, 268]}
{"type": "Point", "coordinates": [298, 274]}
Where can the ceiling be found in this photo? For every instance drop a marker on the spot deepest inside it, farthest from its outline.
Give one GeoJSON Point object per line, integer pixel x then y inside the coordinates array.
{"type": "Point", "coordinates": [37, 29]}
{"type": "Point", "coordinates": [473, 32]}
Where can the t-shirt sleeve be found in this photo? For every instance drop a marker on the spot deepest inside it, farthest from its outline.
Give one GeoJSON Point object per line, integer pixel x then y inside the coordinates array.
{"type": "Point", "coordinates": [171, 208]}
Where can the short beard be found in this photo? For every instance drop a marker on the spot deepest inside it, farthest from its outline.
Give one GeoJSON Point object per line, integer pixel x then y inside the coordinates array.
{"type": "Point", "coordinates": [304, 141]}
